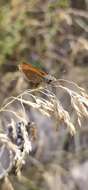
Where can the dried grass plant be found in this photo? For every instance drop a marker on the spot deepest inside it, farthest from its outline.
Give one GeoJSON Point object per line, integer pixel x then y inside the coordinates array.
{"type": "Point", "coordinates": [46, 101]}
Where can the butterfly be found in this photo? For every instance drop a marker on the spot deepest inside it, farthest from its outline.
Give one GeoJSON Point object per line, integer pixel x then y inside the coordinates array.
{"type": "Point", "coordinates": [35, 74]}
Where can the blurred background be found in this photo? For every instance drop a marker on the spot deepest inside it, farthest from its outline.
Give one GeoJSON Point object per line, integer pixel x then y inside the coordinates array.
{"type": "Point", "coordinates": [53, 33]}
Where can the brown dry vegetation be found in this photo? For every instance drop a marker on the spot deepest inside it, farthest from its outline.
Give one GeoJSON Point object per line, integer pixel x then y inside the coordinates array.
{"type": "Point", "coordinates": [54, 116]}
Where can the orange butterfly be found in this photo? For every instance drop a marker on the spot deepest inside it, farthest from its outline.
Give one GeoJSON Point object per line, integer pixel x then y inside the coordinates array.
{"type": "Point", "coordinates": [34, 74]}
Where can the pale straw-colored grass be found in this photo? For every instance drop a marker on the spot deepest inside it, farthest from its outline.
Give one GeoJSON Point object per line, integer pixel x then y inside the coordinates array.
{"type": "Point", "coordinates": [45, 100]}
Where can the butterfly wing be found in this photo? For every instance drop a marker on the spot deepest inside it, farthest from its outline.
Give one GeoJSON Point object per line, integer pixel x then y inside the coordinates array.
{"type": "Point", "coordinates": [32, 74]}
